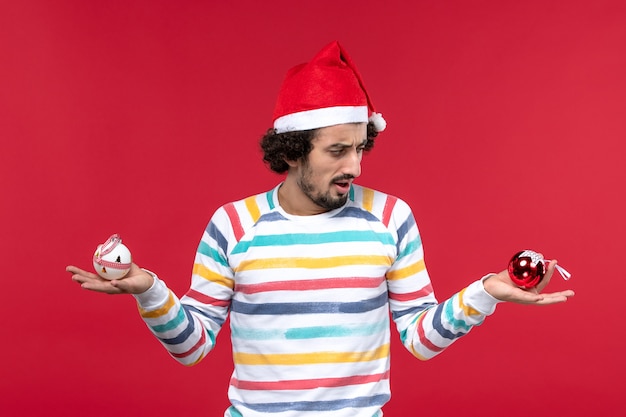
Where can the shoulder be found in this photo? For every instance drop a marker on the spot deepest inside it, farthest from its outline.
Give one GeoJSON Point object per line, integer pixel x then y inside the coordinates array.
{"type": "Point", "coordinates": [247, 211]}
{"type": "Point", "coordinates": [381, 205]}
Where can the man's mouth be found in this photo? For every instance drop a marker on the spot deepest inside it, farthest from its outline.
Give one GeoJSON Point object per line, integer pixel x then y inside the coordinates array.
{"type": "Point", "coordinates": [342, 186]}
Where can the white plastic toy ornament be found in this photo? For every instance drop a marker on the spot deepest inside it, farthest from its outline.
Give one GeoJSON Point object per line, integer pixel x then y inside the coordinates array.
{"type": "Point", "coordinates": [112, 259]}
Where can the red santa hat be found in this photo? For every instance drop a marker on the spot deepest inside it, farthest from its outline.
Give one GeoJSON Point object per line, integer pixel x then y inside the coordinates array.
{"type": "Point", "coordinates": [326, 91]}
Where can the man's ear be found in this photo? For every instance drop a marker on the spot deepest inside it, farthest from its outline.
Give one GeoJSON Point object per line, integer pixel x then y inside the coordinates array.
{"type": "Point", "coordinates": [292, 163]}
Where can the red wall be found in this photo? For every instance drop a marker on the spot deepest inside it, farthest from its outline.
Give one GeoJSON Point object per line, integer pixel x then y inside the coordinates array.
{"type": "Point", "coordinates": [506, 131]}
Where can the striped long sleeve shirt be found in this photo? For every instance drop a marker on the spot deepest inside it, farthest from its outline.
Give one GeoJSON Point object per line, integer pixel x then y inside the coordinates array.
{"type": "Point", "coordinates": [311, 299]}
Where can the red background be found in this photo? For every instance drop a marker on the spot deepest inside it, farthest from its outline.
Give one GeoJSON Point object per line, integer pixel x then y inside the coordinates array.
{"type": "Point", "coordinates": [506, 131]}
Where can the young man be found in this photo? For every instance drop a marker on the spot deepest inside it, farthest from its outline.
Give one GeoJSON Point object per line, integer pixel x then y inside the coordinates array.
{"type": "Point", "coordinates": [309, 270]}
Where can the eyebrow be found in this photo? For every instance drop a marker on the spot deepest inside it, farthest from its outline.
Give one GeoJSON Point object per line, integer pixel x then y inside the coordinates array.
{"type": "Point", "coordinates": [344, 145]}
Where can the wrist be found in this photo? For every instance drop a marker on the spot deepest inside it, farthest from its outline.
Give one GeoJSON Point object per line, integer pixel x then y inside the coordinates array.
{"type": "Point", "coordinates": [488, 281]}
{"type": "Point", "coordinates": [477, 297]}
{"type": "Point", "coordinates": [155, 296]}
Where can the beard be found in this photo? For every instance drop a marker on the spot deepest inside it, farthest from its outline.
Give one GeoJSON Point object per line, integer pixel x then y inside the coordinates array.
{"type": "Point", "coordinates": [322, 199]}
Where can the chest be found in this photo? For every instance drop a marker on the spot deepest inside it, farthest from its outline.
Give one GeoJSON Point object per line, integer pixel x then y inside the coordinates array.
{"type": "Point", "coordinates": [331, 261]}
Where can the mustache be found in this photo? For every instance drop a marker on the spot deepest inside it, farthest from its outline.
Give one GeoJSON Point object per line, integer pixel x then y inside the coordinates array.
{"type": "Point", "coordinates": [344, 177]}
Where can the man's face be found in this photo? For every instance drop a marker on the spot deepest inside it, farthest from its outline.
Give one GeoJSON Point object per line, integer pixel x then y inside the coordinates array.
{"type": "Point", "coordinates": [333, 163]}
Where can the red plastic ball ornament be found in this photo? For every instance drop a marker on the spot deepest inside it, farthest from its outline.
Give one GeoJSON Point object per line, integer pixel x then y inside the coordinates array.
{"type": "Point", "coordinates": [527, 268]}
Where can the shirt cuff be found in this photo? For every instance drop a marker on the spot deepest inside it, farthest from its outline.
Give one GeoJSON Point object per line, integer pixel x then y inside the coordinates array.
{"type": "Point", "coordinates": [155, 296]}
{"type": "Point", "coordinates": [477, 297]}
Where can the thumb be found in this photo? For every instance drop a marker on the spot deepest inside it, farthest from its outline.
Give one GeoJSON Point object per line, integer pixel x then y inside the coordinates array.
{"type": "Point", "coordinates": [136, 282]}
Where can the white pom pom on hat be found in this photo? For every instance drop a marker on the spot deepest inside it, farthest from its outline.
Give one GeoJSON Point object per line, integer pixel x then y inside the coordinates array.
{"type": "Point", "coordinates": [326, 91]}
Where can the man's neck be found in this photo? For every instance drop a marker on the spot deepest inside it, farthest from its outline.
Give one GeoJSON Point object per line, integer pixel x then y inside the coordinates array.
{"type": "Point", "coordinates": [295, 202]}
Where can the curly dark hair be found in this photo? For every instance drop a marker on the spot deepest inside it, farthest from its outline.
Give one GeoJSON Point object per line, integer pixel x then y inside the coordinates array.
{"type": "Point", "coordinates": [291, 146]}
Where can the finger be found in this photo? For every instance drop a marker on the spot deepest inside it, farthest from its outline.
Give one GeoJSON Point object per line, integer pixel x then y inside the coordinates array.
{"type": "Point", "coordinates": [526, 296]}
{"type": "Point", "coordinates": [103, 286]}
{"type": "Point", "coordinates": [125, 286]}
{"type": "Point", "coordinates": [86, 277]}
{"type": "Point", "coordinates": [77, 271]}
{"type": "Point", "coordinates": [83, 277]}
{"type": "Point", "coordinates": [551, 298]}
{"type": "Point", "coordinates": [91, 281]}
{"type": "Point", "coordinates": [566, 294]}
{"type": "Point", "coordinates": [556, 297]}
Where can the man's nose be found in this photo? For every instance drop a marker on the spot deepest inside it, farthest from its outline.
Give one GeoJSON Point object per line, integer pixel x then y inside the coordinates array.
{"type": "Point", "coordinates": [353, 164]}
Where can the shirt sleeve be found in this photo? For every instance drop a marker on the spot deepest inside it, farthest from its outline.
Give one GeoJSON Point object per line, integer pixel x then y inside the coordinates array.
{"type": "Point", "coordinates": [188, 327]}
{"type": "Point", "coordinates": [427, 327]}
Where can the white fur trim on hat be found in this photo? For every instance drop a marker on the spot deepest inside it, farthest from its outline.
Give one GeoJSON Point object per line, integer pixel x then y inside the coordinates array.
{"type": "Point", "coordinates": [327, 116]}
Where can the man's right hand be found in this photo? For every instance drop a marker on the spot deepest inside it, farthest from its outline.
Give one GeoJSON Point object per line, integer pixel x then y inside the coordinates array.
{"type": "Point", "coordinates": [136, 281]}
